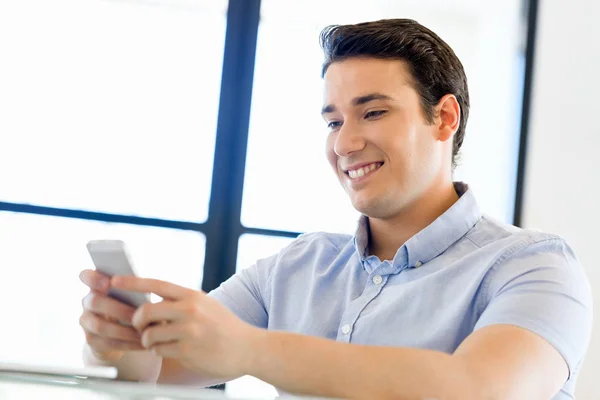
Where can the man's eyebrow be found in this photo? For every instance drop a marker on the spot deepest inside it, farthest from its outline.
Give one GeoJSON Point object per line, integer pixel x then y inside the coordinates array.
{"type": "Point", "coordinates": [328, 109]}
{"type": "Point", "coordinates": [357, 101]}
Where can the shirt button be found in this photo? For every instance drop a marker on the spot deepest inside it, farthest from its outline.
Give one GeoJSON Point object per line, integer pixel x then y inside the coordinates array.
{"type": "Point", "coordinates": [418, 264]}
{"type": "Point", "coordinates": [377, 279]}
{"type": "Point", "coordinates": [346, 329]}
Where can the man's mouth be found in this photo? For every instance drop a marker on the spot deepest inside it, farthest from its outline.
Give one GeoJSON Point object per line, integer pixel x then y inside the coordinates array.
{"type": "Point", "coordinates": [363, 170]}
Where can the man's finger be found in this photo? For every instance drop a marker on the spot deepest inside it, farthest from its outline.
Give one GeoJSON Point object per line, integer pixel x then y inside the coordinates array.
{"type": "Point", "coordinates": [163, 333]}
{"type": "Point", "coordinates": [149, 314]}
{"type": "Point", "coordinates": [95, 280]}
{"type": "Point", "coordinates": [98, 326]}
{"type": "Point", "coordinates": [165, 311]}
{"type": "Point", "coordinates": [111, 308]}
{"type": "Point", "coordinates": [166, 290]}
{"type": "Point", "coordinates": [168, 350]}
{"type": "Point", "coordinates": [101, 344]}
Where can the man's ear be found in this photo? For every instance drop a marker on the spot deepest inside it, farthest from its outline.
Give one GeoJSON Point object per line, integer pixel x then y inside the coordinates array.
{"type": "Point", "coordinates": [448, 120]}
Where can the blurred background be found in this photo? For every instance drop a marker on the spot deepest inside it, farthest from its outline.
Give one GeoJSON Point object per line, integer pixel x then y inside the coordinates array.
{"type": "Point", "coordinates": [191, 130]}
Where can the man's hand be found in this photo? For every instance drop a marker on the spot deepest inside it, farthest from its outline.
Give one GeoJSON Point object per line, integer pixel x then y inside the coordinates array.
{"type": "Point", "coordinates": [104, 320]}
{"type": "Point", "coordinates": [192, 328]}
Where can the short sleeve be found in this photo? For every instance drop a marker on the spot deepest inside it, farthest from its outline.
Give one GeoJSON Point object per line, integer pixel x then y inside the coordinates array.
{"type": "Point", "coordinates": [543, 288]}
{"type": "Point", "coordinates": [244, 293]}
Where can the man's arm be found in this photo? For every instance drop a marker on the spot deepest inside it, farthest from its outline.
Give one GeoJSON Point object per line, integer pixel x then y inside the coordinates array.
{"type": "Point", "coordinates": [496, 362]}
{"type": "Point", "coordinates": [172, 372]}
{"type": "Point", "coordinates": [533, 331]}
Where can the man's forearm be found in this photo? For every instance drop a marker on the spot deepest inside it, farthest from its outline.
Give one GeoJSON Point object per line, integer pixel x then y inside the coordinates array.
{"type": "Point", "coordinates": [308, 365]}
{"type": "Point", "coordinates": [173, 373]}
{"type": "Point", "coordinates": [137, 366]}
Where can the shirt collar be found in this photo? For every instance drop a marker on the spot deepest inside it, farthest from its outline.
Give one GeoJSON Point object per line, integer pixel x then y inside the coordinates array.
{"type": "Point", "coordinates": [433, 239]}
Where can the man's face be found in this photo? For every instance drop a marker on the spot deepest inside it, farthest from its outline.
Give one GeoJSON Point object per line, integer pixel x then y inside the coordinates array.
{"type": "Point", "coordinates": [383, 151]}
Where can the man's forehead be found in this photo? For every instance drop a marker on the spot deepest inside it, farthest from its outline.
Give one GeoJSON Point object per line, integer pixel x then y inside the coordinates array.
{"type": "Point", "coordinates": [345, 81]}
{"type": "Point", "coordinates": [366, 66]}
{"type": "Point", "coordinates": [359, 76]}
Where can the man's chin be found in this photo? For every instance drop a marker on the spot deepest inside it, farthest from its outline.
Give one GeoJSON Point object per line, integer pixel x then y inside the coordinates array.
{"type": "Point", "coordinates": [367, 205]}
{"type": "Point", "coordinates": [375, 207]}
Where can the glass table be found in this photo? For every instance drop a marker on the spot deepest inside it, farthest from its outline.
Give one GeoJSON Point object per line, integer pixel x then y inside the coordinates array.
{"type": "Point", "coordinates": [17, 386]}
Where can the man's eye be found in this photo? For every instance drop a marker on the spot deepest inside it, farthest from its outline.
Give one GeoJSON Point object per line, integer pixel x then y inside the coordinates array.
{"type": "Point", "coordinates": [375, 114]}
{"type": "Point", "coordinates": [334, 124]}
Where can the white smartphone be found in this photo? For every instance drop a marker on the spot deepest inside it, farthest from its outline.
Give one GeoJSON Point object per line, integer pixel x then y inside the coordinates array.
{"type": "Point", "coordinates": [111, 257]}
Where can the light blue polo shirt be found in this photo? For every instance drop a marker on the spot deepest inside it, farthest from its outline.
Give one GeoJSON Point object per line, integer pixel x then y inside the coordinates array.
{"type": "Point", "coordinates": [461, 273]}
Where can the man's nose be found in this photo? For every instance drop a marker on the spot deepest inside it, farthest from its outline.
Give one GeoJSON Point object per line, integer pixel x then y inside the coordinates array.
{"type": "Point", "coordinates": [349, 140]}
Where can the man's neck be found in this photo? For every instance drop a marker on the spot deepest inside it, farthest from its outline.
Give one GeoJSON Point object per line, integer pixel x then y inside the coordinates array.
{"type": "Point", "coordinates": [386, 236]}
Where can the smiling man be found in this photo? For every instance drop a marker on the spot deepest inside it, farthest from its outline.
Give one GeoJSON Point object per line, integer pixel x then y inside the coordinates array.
{"type": "Point", "coordinates": [429, 299]}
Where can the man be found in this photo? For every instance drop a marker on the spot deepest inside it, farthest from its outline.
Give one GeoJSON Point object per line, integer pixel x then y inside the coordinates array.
{"type": "Point", "coordinates": [430, 298]}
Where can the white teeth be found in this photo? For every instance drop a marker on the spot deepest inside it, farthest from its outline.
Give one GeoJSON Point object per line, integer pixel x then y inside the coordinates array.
{"type": "Point", "coordinates": [362, 171]}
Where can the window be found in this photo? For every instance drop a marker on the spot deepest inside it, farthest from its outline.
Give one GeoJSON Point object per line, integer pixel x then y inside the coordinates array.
{"type": "Point", "coordinates": [110, 105]}
{"type": "Point", "coordinates": [108, 113]}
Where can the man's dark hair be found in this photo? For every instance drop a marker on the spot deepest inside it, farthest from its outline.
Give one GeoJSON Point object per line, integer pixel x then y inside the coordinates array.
{"type": "Point", "coordinates": [435, 69]}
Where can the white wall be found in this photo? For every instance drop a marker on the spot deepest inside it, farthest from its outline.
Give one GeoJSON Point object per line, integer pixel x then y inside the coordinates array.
{"type": "Point", "coordinates": [562, 187]}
